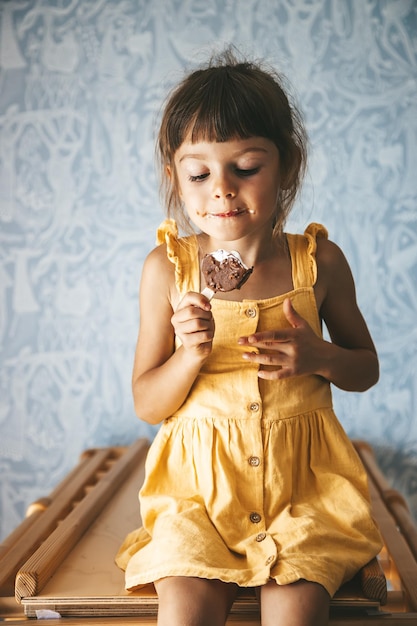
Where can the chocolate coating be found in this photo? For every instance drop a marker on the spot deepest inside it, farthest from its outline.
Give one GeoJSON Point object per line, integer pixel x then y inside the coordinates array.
{"type": "Point", "coordinates": [225, 275]}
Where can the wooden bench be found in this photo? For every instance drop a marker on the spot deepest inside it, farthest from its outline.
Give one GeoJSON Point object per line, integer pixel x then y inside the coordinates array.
{"type": "Point", "coordinates": [61, 557]}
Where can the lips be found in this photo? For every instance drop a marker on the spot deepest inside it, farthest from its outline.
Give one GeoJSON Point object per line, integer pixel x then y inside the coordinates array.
{"type": "Point", "coordinates": [231, 213]}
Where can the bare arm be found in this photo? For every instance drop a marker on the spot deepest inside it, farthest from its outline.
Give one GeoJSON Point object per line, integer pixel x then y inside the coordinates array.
{"type": "Point", "coordinates": [162, 377]}
{"type": "Point", "coordinates": [349, 361]}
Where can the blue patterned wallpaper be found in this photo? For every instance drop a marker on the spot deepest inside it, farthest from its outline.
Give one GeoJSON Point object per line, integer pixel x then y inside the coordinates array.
{"type": "Point", "coordinates": [81, 86]}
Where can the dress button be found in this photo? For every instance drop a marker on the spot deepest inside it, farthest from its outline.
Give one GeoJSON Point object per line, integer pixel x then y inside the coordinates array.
{"type": "Point", "coordinates": [269, 560]}
{"type": "Point", "coordinates": [254, 461]}
{"type": "Point", "coordinates": [251, 312]}
{"type": "Point", "coordinates": [255, 518]}
{"type": "Point", "coordinates": [254, 406]}
{"type": "Point", "coordinates": [260, 537]}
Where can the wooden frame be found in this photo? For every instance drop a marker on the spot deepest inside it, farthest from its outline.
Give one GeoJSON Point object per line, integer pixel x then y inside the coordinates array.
{"type": "Point", "coordinates": [62, 554]}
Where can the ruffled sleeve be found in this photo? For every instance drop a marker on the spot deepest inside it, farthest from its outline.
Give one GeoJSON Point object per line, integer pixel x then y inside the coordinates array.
{"type": "Point", "coordinates": [168, 233]}
{"type": "Point", "coordinates": [303, 255]}
{"type": "Point", "coordinates": [312, 233]}
{"type": "Point", "coordinates": [183, 253]}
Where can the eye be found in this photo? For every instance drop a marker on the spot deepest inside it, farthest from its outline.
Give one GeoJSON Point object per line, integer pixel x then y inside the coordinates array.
{"type": "Point", "coordinates": [247, 172]}
{"type": "Point", "coordinates": [198, 178]}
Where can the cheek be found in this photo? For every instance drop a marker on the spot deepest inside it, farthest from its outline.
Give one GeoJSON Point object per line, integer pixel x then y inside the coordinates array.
{"type": "Point", "coordinates": [268, 193]}
{"type": "Point", "coordinates": [191, 194]}
{"type": "Point", "coordinates": [274, 188]}
{"type": "Point", "coordinates": [184, 187]}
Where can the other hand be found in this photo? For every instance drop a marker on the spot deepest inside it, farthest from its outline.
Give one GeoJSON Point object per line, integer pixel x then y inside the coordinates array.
{"type": "Point", "coordinates": [292, 351]}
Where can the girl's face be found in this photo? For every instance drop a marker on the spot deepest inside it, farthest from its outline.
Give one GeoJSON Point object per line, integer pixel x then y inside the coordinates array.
{"type": "Point", "coordinates": [229, 189]}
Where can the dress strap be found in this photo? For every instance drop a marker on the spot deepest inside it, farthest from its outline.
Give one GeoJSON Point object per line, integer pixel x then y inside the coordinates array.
{"type": "Point", "coordinates": [303, 255]}
{"type": "Point", "coordinates": [183, 253]}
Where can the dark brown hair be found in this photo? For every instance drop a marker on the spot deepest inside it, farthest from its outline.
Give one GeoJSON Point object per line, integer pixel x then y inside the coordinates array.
{"type": "Point", "coordinates": [229, 99]}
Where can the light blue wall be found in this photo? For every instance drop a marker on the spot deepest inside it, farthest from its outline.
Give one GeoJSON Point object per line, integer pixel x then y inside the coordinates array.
{"type": "Point", "coordinates": [81, 84]}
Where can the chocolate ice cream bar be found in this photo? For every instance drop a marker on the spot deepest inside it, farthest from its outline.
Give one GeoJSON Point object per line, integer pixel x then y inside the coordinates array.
{"type": "Point", "coordinates": [223, 271]}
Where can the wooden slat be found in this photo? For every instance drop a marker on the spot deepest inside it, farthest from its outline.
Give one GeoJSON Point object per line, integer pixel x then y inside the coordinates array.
{"type": "Point", "coordinates": [37, 570]}
{"type": "Point", "coordinates": [44, 515]}
{"type": "Point", "coordinates": [399, 619]}
{"type": "Point", "coordinates": [394, 539]}
{"type": "Point", "coordinates": [394, 501]}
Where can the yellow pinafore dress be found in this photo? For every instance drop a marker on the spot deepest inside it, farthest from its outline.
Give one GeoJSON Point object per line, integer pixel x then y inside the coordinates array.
{"type": "Point", "coordinates": [251, 480]}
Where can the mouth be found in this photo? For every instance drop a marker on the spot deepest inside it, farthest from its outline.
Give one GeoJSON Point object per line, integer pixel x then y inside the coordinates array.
{"type": "Point", "coordinates": [231, 213]}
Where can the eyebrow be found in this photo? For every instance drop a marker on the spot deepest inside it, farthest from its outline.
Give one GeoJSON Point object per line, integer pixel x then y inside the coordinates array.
{"type": "Point", "coordinates": [196, 155]}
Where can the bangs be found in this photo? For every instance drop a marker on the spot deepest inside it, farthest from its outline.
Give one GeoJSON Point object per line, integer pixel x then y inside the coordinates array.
{"type": "Point", "coordinates": [229, 110]}
{"type": "Point", "coordinates": [220, 104]}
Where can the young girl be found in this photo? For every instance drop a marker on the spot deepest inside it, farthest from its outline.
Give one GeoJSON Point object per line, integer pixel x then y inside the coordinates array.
{"type": "Point", "coordinates": [251, 480]}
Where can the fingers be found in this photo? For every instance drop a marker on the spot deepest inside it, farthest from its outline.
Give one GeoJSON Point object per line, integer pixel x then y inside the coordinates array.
{"type": "Point", "coordinates": [193, 314]}
{"type": "Point", "coordinates": [192, 319]}
{"type": "Point", "coordinates": [277, 374]}
{"type": "Point", "coordinates": [192, 298]}
{"type": "Point", "coordinates": [273, 366]}
{"type": "Point", "coordinates": [291, 314]}
{"type": "Point", "coordinates": [193, 322]}
{"type": "Point", "coordinates": [283, 352]}
{"type": "Point", "coordinates": [271, 359]}
{"type": "Point", "coordinates": [267, 339]}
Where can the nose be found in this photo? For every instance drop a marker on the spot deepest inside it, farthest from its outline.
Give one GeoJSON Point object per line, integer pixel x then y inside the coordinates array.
{"type": "Point", "coordinates": [223, 186]}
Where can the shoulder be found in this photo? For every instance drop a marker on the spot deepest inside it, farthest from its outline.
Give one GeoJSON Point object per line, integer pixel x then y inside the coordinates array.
{"type": "Point", "coordinates": [315, 240]}
{"type": "Point", "coordinates": [334, 276]}
{"type": "Point", "coordinates": [157, 262]}
{"type": "Point", "coordinates": [157, 257]}
{"type": "Point", "coordinates": [158, 274]}
{"type": "Point", "coordinates": [328, 251]}
{"type": "Point", "coordinates": [330, 258]}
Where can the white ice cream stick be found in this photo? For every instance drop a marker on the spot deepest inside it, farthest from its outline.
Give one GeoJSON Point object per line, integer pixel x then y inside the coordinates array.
{"type": "Point", "coordinates": [209, 293]}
